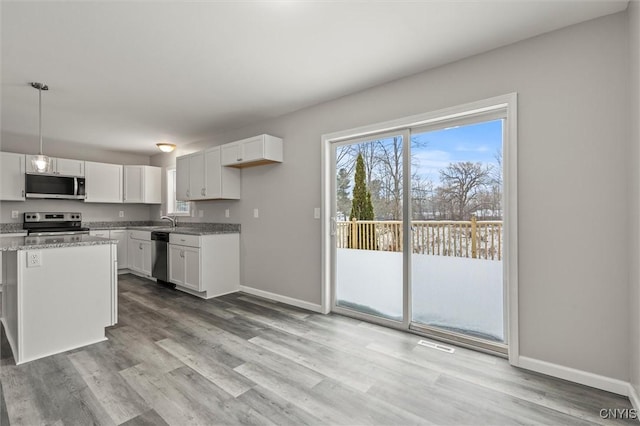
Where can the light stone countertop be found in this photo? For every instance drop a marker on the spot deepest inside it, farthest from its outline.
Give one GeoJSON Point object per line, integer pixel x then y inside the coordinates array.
{"type": "Point", "coordinates": [188, 230]}
{"type": "Point", "coordinates": [32, 243]}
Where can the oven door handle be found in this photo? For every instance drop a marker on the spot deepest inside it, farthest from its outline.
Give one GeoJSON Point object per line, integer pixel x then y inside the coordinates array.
{"type": "Point", "coordinates": [49, 234]}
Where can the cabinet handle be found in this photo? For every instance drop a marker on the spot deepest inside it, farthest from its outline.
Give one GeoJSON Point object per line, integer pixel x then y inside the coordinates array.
{"type": "Point", "coordinates": [23, 193]}
{"type": "Point", "coordinates": [140, 246]}
{"type": "Point", "coordinates": [188, 193]}
{"type": "Point", "coordinates": [239, 159]}
{"type": "Point", "coordinates": [182, 254]}
{"type": "Point", "coordinates": [203, 192]}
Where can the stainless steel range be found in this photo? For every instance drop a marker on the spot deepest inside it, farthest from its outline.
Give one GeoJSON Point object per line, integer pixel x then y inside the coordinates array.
{"type": "Point", "coordinates": [53, 224]}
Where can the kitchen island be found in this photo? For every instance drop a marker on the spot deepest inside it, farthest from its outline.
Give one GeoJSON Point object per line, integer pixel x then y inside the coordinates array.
{"type": "Point", "coordinates": [59, 293]}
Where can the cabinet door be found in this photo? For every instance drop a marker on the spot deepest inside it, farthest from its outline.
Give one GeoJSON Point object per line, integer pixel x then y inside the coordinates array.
{"type": "Point", "coordinates": [134, 254]}
{"type": "Point", "coordinates": [182, 178]}
{"type": "Point", "coordinates": [12, 169]}
{"type": "Point", "coordinates": [230, 154]}
{"type": "Point", "coordinates": [213, 173]}
{"type": "Point", "coordinates": [253, 149]}
{"type": "Point", "coordinates": [101, 234]}
{"type": "Point", "coordinates": [103, 183]}
{"type": "Point", "coordinates": [64, 166]}
{"type": "Point", "coordinates": [192, 268]}
{"type": "Point", "coordinates": [176, 264]}
{"type": "Point", "coordinates": [133, 184]}
{"type": "Point", "coordinates": [146, 257]}
{"type": "Point", "coordinates": [121, 236]}
{"type": "Point", "coordinates": [196, 176]}
{"type": "Point", "coordinates": [152, 185]}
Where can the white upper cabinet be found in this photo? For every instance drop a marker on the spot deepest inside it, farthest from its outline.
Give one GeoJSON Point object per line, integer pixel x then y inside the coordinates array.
{"type": "Point", "coordinates": [255, 151]}
{"type": "Point", "coordinates": [220, 182]}
{"type": "Point", "coordinates": [60, 166]}
{"type": "Point", "coordinates": [12, 170]}
{"type": "Point", "coordinates": [200, 176]}
{"type": "Point", "coordinates": [142, 184]}
{"type": "Point", "coordinates": [67, 167]}
{"type": "Point", "coordinates": [190, 177]}
{"type": "Point", "coordinates": [103, 182]}
{"type": "Point", "coordinates": [196, 176]}
{"type": "Point", "coordinates": [182, 178]}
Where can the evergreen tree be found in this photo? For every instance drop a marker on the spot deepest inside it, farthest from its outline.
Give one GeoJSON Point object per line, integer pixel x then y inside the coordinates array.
{"type": "Point", "coordinates": [361, 207]}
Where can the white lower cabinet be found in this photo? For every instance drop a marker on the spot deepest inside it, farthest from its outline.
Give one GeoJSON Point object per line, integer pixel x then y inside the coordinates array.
{"type": "Point", "coordinates": [115, 234]}
{"type": "Point", "coordinates": [121, 236]}
{"type": "Point", "coordinates": [139, 252]}
{"type": "Point", "coordinates": [205, 265]}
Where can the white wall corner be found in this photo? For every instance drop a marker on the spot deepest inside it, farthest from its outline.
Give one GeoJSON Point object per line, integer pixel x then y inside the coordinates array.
{"type": "Point", "coordinates": [577, 376]}
{"type": "Point", "coordinates": [284, 299]}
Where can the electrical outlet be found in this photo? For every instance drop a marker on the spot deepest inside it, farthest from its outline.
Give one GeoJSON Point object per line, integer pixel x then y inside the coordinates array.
{"type": "Point", "coordinates": [121, 213]}
{"type": "Point", "coordinates": [14, 214]}
{"type": "Point", "coordinates": [227, 213]}
{"type": "Point", "coordinates": [34, 259]}
{"type": "Point", "coordinates": [316, 213]}
{"type": "Point", "coordinates": [256, 213]}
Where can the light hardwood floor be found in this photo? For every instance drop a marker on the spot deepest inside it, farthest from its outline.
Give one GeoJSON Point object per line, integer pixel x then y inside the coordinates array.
{"type": "Point", "coordinates": [176, 359]}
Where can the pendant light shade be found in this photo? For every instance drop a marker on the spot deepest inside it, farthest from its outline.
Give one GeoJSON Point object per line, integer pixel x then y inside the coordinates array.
{"type": "Point", "coordinates": [41, 163]}
{"type": "Point", "coordinates": [166, 147]}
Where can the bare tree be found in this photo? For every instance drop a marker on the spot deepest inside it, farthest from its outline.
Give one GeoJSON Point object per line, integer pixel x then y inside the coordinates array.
{"type": "Point", "coordinates": [462, 184]}
{"type": "Point", "coordinates": [390, 159]}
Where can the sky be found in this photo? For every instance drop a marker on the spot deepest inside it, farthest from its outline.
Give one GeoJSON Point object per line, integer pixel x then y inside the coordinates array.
{"type": "Point", "coordinates": [476, 143]}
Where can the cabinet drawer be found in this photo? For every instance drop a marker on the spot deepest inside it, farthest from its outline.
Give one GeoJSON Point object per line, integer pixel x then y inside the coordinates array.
{"type": "Point", "coordinates": [140, 235]}
{"type": "Point", "coordinates": [184, 240]}
{"type": "Point", "coordinates": [101, 234]}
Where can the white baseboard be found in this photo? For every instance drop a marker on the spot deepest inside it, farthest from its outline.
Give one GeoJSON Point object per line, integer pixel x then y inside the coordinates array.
{"type": "Point", "coordinates": [574, 375]}
{"type": "Point", "coordinates": [633, 397]}
{"type": "Point", "coordinates": [284, 299]}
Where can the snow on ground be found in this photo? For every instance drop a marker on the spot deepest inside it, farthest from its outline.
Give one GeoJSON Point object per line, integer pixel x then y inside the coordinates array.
{"type": "Point", "coordinates": [450, 292]}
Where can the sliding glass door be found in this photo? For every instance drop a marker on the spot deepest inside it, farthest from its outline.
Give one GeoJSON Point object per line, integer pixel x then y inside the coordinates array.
{"type": "Point", "coordinates": [368, 219]}
{"type": "Point", "coordinates": [457, 234]}
{"type": "Point", "coordinates": [417, 229]}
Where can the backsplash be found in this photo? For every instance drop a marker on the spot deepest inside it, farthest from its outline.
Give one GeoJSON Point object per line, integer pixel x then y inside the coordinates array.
{"type": "Point", "coordinates": [6, 228]}
{"type": "Point", "coordinates": [90, 211]}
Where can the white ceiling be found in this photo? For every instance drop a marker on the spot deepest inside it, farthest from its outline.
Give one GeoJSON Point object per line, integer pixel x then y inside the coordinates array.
{"type": "Point", "coordinates": [126, 75]}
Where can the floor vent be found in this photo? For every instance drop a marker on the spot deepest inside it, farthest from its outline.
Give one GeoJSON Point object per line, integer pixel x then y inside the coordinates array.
{"type": "Point", "coordinates": [437, 346]}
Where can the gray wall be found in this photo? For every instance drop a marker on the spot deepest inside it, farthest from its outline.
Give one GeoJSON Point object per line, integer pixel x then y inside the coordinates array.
{"type": "Point", "coordinates": [634, 195]}
{"type": "Point", "coordinates": [573, 192]}
{"type": "Point", "coordinates": [11, 142]}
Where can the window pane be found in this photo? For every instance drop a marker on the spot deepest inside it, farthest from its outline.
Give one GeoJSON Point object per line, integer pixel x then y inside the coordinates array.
{"type": "Point", "coordinates": [174, 206]}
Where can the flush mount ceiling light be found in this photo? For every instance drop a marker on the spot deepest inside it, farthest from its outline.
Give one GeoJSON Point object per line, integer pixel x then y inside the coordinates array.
{"type": "Point", "coordinates": [41, 163]}
{"type": "Point", "coordinates": [166, 147]}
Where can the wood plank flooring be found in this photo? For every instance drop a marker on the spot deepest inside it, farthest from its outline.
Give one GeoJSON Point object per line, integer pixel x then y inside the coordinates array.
{"type": "Point", "coordinates": [179, 360]}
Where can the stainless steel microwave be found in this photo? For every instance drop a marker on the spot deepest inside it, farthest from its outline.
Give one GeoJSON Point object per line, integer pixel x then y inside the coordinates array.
{"type": "Point", "coordinates": [47, 186]}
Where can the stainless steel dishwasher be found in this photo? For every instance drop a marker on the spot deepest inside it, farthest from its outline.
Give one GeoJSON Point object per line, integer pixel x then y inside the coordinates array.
{"type": "Point", "coordinates": [160, 257]}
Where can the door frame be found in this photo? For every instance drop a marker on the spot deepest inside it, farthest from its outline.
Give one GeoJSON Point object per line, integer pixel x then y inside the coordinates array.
{"type": "Point", "coordinates": [508, 103]}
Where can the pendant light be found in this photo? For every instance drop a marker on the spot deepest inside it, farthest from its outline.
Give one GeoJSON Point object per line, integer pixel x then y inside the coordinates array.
{"type": "Point", "coordinates": [41, 163]}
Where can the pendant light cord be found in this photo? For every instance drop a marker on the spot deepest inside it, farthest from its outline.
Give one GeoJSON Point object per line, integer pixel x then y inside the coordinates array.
{"type": "Point", "coordinates": [40, 116]}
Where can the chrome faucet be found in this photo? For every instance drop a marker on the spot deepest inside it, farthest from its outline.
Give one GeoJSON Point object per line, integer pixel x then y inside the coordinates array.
{"type": "Point", "coordinates": [173, 220]}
